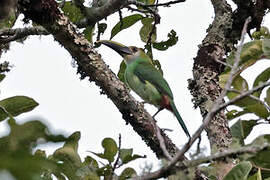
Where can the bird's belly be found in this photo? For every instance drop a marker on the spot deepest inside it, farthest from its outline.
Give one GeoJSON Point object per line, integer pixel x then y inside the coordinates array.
{"type": "Point", "coordinates": [145, 90]}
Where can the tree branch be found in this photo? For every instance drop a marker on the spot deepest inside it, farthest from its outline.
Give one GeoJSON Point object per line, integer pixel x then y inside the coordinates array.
{"type": "Point", "coordinates": [155, 5]}
{"type": "Point", "coordinates": [8, 35]}
{"type": "Point", "coordinates": [91, 65]}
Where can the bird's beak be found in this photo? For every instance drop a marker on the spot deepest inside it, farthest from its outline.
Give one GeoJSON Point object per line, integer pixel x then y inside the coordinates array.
{"type": "Point", "coordinates": [120, 48]}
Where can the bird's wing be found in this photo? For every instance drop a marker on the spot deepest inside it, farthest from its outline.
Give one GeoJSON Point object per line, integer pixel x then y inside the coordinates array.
{"type": "Point", "coordinates": [147, 72]}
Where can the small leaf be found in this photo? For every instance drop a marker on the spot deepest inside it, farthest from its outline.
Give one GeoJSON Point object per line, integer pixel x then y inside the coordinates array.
{"type": "Point", "coordinates": [69, 152]}
{"type": "Point", "coordinates": [110, 148]}
{"type": "Point", "coordinates": [261, 159]}
{"type": "Point", "coordinates": [125, 153]}
{"type": "Point", "coordinates": [263, 77]}
{"type": "Point", "coordinates": [256, 176]}
{"type": "Point", "coordinates": [16, 105]}
{"type": "Point", "coordinates": [241, 129]}
{"type": "Point", "coordinates": [89, 161]}
{"type": "Point", "coordinates": [251, 50]}
{"type": "Point", "coordinates": [164, 45]}
{"type": "Point", "coordinates": [251, 53]}
{"type": "Point", "coordinates": [126, 156]}
{"type": "Point", "coordinates": [102, 27]}
{"type": "Point", "coordinates": [266, 47]}
{"type": "Point", "coordinates": [72, 11]}
{"type": "Point", "coordinates": [259, 109]}
{"type": "Point", "coordinates": [223, 78]}
{"type": "Point", "coordinates": [88, 33]}
{"type": "Point", "coordinates": [234, 114]}
{"type": "Point", "coordinates": [146, 30]}
{"type": "Point", "coordinates": [267, 98]}
{"type": "Point", "coordinates": [147, 20]}
{"type": "Point", "coordinates": [239, 172]}
{"type": "Point", "coordinates": [147, 1]}
{"type": "Point", "coordinates": [240, 84]}
{"type": "Point", "coordinates": [127, 173]}
{"type": "Point", "coordinates": [2, 76]}
{"type": "Point", "coordinates": [125, 23]}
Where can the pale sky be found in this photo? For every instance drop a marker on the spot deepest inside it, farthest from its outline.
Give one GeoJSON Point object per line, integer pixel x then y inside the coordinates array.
{"type": "Point", "coordinates": [43, 70]}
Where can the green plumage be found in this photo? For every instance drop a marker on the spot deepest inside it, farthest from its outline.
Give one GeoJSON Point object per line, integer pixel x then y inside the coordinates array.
{"type": "Point", "coordinates": [143, 78]}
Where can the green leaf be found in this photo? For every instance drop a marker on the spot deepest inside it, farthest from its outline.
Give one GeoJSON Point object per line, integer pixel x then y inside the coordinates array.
{"type": "Point", "coordinates": [251, 50]}
{"type": "Point", "coordinates": [89, 161]}
{"type": "Point", "coordinates": [16, 105]}
{"type": "Point", "coordinates": [126, 156]}
{"type": "Point", "coordinates": [2, 76]}
{"type": "Point", "coordinates": [256, 176]}
{"type": "Point", "coordinates": [145, 31]}
{"type": "Point", "coordinates": [147, 1]}
{"type": "Point", "coordinates": [267, 98]}
{"type": "Point", "coordinates": [86, 173]}
{"type": "Point", "coordinates": [127, 173]}
{"type": "Point", "coordinates": [125, 23]}
{"type": "Point", "coordinates": [239, 172]}
{"type": "Point", "coordinates": [164, 45]}
{"type": "Point", "coordinates": [266, 47]}
{"type": "Point", "coordinates": [72, 12]}
{"type": "Point", "coordinates": [241, 129]}
{"type": "Point", "coordinates": [234, 114]}
{"type": "Point", "coordinates": [251, 53]}
{"type": "Point", "coordinates": [263, 77]}
{"type": "Point", "coordinates": [102, 27]}
{"type": "Point", "coordinates": [223, 78]}
{"type": "Point", "coordinates": [261, 159]}
{"type": "Point", "coordinates": [240, 84]}
{"type": "Point", "coordinates": [121, 72]}
{"type": "Point", "coordinates": [147, 20]}
{"type": "Point", "coordinates": [259, 109]}
{"type": "Point", "coordinates": [110, 149]}
{"type": "Point", "coordinates": [88, 33]}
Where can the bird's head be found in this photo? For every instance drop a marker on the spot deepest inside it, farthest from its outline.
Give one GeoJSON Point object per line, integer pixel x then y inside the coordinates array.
{"type": "Point", "coordinates": [129, 53]}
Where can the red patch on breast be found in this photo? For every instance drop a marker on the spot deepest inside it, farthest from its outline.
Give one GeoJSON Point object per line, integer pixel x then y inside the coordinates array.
{"type": "Point", "coordinates": [165, 103]}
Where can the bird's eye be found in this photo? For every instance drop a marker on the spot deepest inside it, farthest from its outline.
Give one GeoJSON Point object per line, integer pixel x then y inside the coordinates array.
{"type": "Point", "coordinates": [134, 49]}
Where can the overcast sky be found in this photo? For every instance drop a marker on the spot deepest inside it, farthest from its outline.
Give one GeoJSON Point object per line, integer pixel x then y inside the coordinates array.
{"type": "Point", "coordinates": [43, 70]}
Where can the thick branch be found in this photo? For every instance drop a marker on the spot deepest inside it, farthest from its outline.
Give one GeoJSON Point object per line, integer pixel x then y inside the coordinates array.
{"type": "Point", "coordinates": [91, 65]}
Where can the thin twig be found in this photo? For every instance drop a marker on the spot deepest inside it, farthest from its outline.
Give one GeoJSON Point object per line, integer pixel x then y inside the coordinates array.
{"type": "Point", "coordinates": [120, 18]}
{"type": "Point", "coordinates": [162, 143]}
{"type": "Point", "coordinates": [220, 155]}
{"type": "Point", "coordinates": [156, 21]}
{"type": "Point", "coordinates": [117, 159]}
{"type": "Point", "coordinates": [223, 63]}
{"type": "Point", "coordinates": [155, 5]}
{"type": "Point", "coordinates": [137, 10]}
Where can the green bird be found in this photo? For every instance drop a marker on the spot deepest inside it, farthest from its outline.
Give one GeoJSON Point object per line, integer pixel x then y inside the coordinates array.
{"type": "Point", "coordinates": [143, 78]}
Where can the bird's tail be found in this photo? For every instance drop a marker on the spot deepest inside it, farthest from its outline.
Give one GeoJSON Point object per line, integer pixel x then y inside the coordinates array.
{"type": "Point", "coordinates": [180, 120]}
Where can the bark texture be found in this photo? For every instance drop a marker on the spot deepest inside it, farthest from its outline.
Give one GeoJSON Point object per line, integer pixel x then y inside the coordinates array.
{"type": "Point", "coordinates": [222, 35]}
{"type": "Point", "coordinates": [90, 65]}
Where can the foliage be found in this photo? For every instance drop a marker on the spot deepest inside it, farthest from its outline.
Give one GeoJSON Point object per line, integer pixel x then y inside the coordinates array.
{"type": "Point", "coordinates": [254, 166]}
{"type": "Point", "coordinates": [252, 52]}
{"type": "Point", "coordinates": [17, 147]}
{"type": "Point", "coordinates": [17, 150]}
